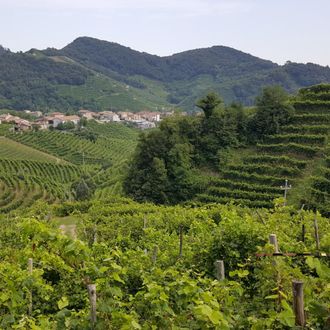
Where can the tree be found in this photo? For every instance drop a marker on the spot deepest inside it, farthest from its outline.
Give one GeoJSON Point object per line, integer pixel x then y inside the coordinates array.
{"type": "Point", "coordinates": [84, 188]}
{"type": "Point", "coordinates": [208, 103]}
{"type": "Point", "coordinates": [149, 183]}
{"type": "Point", "coordinates": [273, 111]}
{"type": "Point", "coordinates": [179, 169]}
{"type": "Point", "coordinates": [161, 169]}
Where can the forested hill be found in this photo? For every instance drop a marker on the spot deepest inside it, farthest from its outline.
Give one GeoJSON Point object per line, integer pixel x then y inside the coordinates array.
{"type": "Point", "coordinates": [99, 74]}
{"type": "Point", "coordinates": [215, 61]}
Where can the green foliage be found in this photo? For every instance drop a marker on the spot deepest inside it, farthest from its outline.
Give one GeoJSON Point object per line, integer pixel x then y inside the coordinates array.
{"type": "Point", "coordinates": [28, 82]}
{"type": "Point", "coordinates": [179, 146]}
{"type": "Point", "coordinates": [131, 252]}
{"type": "Point", "coordinates": [273, 111]}
{"type": "Point", "coordinates": [92, 73]}
{"type": "Point", "coordinates": [83, 189]}
{"type": "Point", "coordinates": [65, 126]}
{"type": "Point", "coordinates": [100, 150]}
{"type": "Point", "coordinates": [161, 169]}
{"type": "Point", "coordinates": [209, 103]}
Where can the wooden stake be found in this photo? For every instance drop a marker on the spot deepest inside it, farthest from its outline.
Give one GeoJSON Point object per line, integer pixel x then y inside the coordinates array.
{"type": "Point", "coordinates": [317, 238]}
{"type": "Point", "coordinates": [30, 270]}
{"type": "Point", "coordinates": [219, 270]}
{"type": "Point", "coordinates": [273, 241]}
{"type": "Point", "coordinates": [154, 255]}
{"type": "Point", "coordinates": [94, 235]}
{"type": "Point", "coordinates": [303, 233]}
{"type": "Point", "coordinates": [181, 241]}
{"type": "Point", "coordinates": [298, 302]}
{"type": "Point", "coordinates": [92, 299]}
{"type": "Point", "coordinates": [145, 227]}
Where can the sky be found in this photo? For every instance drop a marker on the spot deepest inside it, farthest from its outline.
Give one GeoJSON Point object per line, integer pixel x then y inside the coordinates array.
{"type": "Point", "coordinates": [277, 30]}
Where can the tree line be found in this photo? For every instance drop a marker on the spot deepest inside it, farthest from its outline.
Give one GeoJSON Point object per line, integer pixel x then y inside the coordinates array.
{"type": "Point", "coordinates": [166, 165]}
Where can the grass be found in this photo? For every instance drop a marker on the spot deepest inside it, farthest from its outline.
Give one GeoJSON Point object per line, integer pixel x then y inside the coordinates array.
{"type": "Point", "coordinates": [10, 149]}
{"type": "Point", "coordinates": [66, 221]}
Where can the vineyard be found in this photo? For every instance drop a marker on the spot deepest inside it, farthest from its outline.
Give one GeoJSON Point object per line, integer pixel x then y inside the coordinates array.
{"type": "Point", "coordinates": [295, 154]}
{"type": "Point", "coordinates": [10, 149]}
{"type": "Point", "coordinates": [112, 143]}
{"type": "Point", "coordinates": [44, 164]}
{"type": "Point", "coordinates": [24, 181]}
{"type": "Point", "coordinates": [141, 266]}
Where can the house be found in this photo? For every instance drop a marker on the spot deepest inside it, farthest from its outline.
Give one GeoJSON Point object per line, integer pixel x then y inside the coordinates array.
{"type": "Point", "coordinates": [87, 114]}
{"type": "Point", "coordinates": [52, 121]}
{"type": "Point", "coordinates": [36, 114]}
{"type": "Point", "coordinates": [150, 116]}
{"type": "Point", "coordinates": [41, 124]}
{"type": "Point", "coordinates": [22, 125]}
{"type": "Point", "coordinates": [128, 116]}
{"type": "Point", "coordinates": [166, 114]}
{"type": "Point", "coordinates": [56, 114]}
{"type": "Point", "coordinates": [73, 119]}
{"type": "Point", "coordinates": [108, 116]}
{"type": "Point", "coordinates": [8, 118]}
{"type": "Point", "coordinates": [56, 118]}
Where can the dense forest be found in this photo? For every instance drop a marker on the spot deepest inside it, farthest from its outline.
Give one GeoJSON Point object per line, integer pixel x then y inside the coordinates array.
{"type": "Point", "coordinates": [27, 81]}
{"type": "Point", "coordinates": [101, 75]}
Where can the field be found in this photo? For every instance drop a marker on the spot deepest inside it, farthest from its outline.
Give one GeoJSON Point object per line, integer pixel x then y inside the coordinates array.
{"type": "Point", "coordinates": [107, 93]}
{"type": "Point", "coordinates": [157, 267]}
{"type": "Point", "coordinates": [44, 164]}
{"type": "Point", "coordinates": [10, 149]}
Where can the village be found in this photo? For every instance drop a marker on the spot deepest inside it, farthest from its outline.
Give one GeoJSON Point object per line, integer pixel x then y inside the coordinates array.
{"type": "Point", "coordinates": [142, 120]}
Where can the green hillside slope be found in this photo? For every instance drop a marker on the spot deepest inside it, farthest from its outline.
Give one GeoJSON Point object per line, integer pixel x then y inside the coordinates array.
{"type": "Point", "coordinates": [297, 154]}
{"type": "Point", "coordinates": [45, 164]}
{"type": "Point", "coordinates": [97, 74]}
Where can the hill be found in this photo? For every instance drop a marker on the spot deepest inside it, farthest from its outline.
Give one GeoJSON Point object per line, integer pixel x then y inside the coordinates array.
{"type": "Point", "coordinates": [46, 165]}
{"type": "Point", "coordinates": [229, 156]}
{"type": "Point", "coordinates": [101, 75]}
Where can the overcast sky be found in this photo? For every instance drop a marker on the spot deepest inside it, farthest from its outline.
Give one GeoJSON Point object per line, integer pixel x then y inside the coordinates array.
{"type": "Point", "coordinates": [279, 30]}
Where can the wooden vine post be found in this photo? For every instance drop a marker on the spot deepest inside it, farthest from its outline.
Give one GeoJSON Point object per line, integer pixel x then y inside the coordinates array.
{"type": "Point", "coordinates": [91, 288]}
{"type": "Point", "coordinates": [181, 241]}
{"type": "Point", "coordinates": [317, 237]}
{"type": "Point", "coordinates": [298, 302]}
{"type": "Point", "coordinates": [219, 270]}
{"type": "Point", "coordinates": [273, 241]}
{"type": "Point", "coordinates": [30, 270]}
{"type": "Point", "coordinates": [144, 228]}
{"type": "Point", "coordinates": [154, 255]}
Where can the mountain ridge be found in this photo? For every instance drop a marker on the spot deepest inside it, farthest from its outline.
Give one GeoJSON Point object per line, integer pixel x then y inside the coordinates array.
{"type": "Point", "coordinates": [106, 75]}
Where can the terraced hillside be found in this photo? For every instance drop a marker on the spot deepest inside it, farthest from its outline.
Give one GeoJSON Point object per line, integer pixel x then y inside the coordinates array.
{"type": "Point", "coordinates": [10, 149]}
{"type": "Point", "coordinates": [27, 174]}
{"type": "Point", "coordinates": [320, 189]}
{"type": "Point", "coordinates": [22, 182]}
{"type": "Point", "coordinates": [110, 144]}
{"type": "Point", "coordinates": [296, 154]}
{"type": "Point", "coordinates": [43, 165]}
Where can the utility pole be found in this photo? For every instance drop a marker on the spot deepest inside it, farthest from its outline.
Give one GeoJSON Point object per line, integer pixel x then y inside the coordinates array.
{"type": "Point", "coordinates": [286, 188]}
